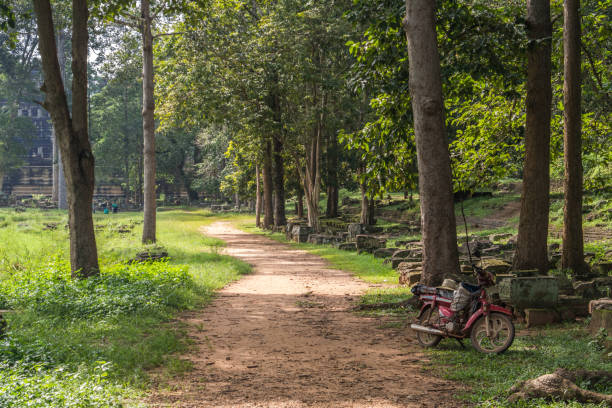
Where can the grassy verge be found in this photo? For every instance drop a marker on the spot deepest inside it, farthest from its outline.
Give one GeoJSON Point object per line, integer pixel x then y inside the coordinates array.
{"type": "Point", "coordinates": [532, 354]}
{"type": "Point", "coordinates": [90, 343]}
{"type": "Point", "coordinates": [364, 266]}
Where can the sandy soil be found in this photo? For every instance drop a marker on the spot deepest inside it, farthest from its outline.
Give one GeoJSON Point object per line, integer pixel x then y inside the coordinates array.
{"type": "Point", "coordinates": [284, 336]}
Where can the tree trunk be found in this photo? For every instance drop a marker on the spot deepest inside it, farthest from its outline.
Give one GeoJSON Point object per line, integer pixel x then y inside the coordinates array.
{"type": "Point", "coordinates": [332, 176]}
{"type": "Point", "coordinates": [267, 185]}
{"type": "Point", "coordinates": [440, 256]}
{"type": "Point", "coordinates": [371, 211]}
{"type": "Point", "coordinates": [365, 205]}
{"type": "Point", "coordinates": [573, 247]}
{"type": "Point", "coordinates": [279, 183]}
{"type": "Point", "coordinates": [61, 189]}
{"type": "Point", "coordinates": [72, 134]}
{"type": "Point", "coordinates": [257, 197]}
{"type": "Point", "coordinates": [148, 126]}
{"type": "Point", "coordinates": [531, 252]}
{"type": "Point", "coordinates": [300, 203]}
{"type": "Point", "coordinates": [312, 179]}
{"type": "Point", "coordinates": [126, 139]}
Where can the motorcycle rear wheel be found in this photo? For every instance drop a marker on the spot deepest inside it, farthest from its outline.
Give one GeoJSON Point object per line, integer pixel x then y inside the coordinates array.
{"type": "Point", "coordinates": [502, 334]}
{"type": "Point", "coordinates": [429, 317]}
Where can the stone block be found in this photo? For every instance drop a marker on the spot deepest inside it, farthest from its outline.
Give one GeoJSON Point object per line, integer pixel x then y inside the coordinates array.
{"type": "Point", "coordinates": [300, 233]}
{"type": "Point", "coordinates": [495, 249]}
{"type": "Point", "coordinates": [321, 239]}
{"type": "Point", "coordinates": [410, 277]}
{"type": "Point", "coordinates": [499, 237]}
{"type": "Point", "coordinates": [368, 243]}
{"type": "Point", "coordinates": [578, 305]}
{"type": "Point", "coordinates": [347, 246]}
{"type": "Point", "coordinates": [529, 291]}
{"type": "Point", "coordinates": [603, 268]}
{"type": "Point", "coordinates": [405, 242]}
{"type": "Point", "coordinates": [540, 317]}
{"type": "Point", "coordinates": [601, 318]}
{"type": "Point", "coordinates": [402, 253]}
{"type": "Point", "coordinates": [396, 262]}
{"type": "Point", "coordinates": [355, 229]}
{"type": "Point", "coordinates": [384, 252]}
{"type": "Point", "coordinates": [494, 265]}
{"type": "Point", "coordinates": [587, 290]}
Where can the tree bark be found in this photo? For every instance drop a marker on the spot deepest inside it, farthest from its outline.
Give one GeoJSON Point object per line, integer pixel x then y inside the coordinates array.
{"type": "Point", "coordinates": [365, 205]}
{"type": "Point", "coordinates": [300, 203]}
{"type": "Point", "coordinates": [148, 126]}
{"type": "Point", "coordinates": [531, 252]}
{"type": "Point", "coordinates": [371, 211]}
{"type": "Point", "coordinates": [257, 197]}
{"type": "Point", "coordinates": [279, 183]}
{"type": "Point", "coordinates": [572, 255]}
{"type": "Point", "coordinates": [440, 256]}
{"type": "Point", "coordinates": [267, 185]}
{"type": "Point", "coordinates": [71, 132]}
{"type": "Point", "coordinates": [332, 176]}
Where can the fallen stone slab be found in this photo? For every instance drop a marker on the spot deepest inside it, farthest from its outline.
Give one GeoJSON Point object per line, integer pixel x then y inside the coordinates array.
{"type": "Point", "coordinates": [494, 265]}
{"type": "Point", "coordinates": [540, 317]}
{"type": "Point", "coordinates": [369, 243]}
{"type": "Point", "coordinates": [384, 252]}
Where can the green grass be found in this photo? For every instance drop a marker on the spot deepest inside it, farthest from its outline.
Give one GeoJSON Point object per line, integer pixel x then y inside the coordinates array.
{"type": "Point", "coordinates": [364, 266]}
{"type": "Point", "coordinates": [532, 355]}
{"type": "Point", "coordinates": [90, 343]}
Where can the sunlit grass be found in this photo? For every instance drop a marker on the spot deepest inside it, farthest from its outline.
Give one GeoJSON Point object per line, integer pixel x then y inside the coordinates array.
{"type": "Point", "coordinates": [73, 358]}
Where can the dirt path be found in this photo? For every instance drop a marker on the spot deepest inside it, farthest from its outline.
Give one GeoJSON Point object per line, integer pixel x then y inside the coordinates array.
{"type": "Point", "coordinates": [284, 337]}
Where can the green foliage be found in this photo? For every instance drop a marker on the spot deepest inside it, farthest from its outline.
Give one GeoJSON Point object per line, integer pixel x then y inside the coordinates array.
{"type": "Point", "coordinates": [89, 343]}
{"type": "Point", "coordinates": [122, 288]}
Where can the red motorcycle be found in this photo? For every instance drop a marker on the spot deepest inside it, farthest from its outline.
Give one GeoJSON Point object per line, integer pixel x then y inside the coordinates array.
{"type": "Point", "coordinates": [466, 312]}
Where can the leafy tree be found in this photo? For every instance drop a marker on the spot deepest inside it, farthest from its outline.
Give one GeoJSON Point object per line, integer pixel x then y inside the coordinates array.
{"type": "Point", "coordinates": [71, 130]}
{"type": "Point", "coordinates": [532, 247]}
{"type": "Point", "coordinates": [440, 256]}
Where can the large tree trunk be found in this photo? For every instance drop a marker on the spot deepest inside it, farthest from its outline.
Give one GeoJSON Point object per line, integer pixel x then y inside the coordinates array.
{"type": "Point", "coordinates": [440, 256]}
{"type": "Point", "coordinates": [573, 247]}
{"type": "Point", "coordinates": [531, 252]}
{"type": "Point", "coordinates": [148, 126]}
{"type": "Point", "coordinates": [332, 176]}
{"type": "Point", "coordinates": [312, 178]}
{"type": "Point", "coordinates": [267, 185]}
{"type": "Point", "coordinates": [61, 189]}
{"type": "Point", "coordinates": [72, 134]}
{"type": "Point", "coordinates": [258, 200]}
{"type": "Point", "coordinates": [279, 165]}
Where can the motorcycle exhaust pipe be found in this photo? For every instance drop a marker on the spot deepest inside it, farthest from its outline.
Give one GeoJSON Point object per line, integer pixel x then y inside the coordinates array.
{"type": "Point", "coordinates": [425, 329]}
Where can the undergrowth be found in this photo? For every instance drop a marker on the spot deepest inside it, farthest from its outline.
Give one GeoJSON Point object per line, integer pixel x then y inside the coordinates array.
{"type": "Point", "coordinates": [90, 343]}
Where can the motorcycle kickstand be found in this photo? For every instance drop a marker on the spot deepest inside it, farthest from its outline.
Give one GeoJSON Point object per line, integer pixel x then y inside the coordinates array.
{"type": "Point", "coordinates": [460, 341]}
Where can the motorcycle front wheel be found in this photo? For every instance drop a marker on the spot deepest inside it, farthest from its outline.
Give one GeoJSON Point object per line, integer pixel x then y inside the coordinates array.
{"type": "Point", "coordinates": [501, 334]}
{"type": "Point", "coordinates": [429, 317]}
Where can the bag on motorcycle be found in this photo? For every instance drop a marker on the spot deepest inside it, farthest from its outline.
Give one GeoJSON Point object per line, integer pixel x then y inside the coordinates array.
{"type": "Point", "coordinates": [461, 299]}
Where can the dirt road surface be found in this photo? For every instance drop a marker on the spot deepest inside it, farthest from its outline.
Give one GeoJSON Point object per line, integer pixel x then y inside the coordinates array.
{"type": "Point", "coordinates": [285, 337]}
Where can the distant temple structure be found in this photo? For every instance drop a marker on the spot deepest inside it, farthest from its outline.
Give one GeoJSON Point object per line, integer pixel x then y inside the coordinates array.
{"type": "Point", "coordinates": [36, 176]}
